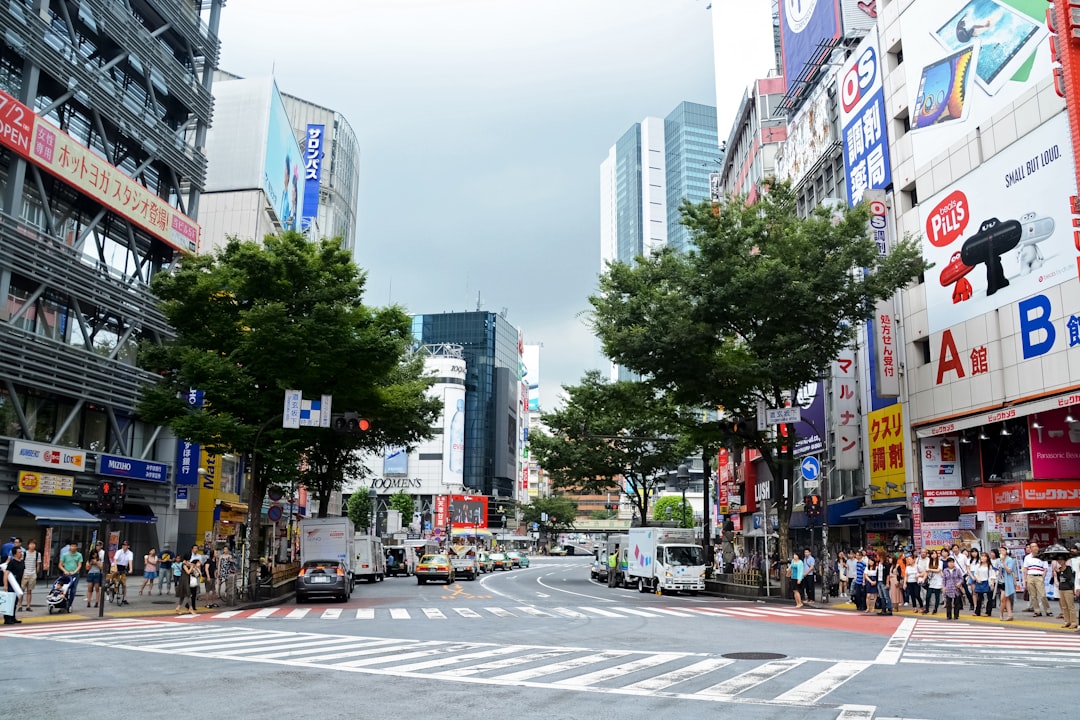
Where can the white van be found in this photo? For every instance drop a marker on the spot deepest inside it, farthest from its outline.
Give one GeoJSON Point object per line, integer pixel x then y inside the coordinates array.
{"type": "Point", "coordinates": [370, 562]}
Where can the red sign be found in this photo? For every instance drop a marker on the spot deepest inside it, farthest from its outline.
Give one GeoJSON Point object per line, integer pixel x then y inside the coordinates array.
{"type": "Point", "coordinates": [1037, 495]}
{"type": "Point", "coordinates": [468, 511]}
{"type": "Point", "coordinates": [16, 124]}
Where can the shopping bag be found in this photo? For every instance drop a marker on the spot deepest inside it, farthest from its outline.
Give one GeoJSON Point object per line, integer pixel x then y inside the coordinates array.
{"type": "Point", "coordinates": [7, 603]}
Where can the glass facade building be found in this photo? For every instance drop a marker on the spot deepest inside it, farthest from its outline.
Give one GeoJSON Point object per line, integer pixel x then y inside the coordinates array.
{"type": "Point", "coordinates": [690, 141]}
{"type": "Point", "coordinates": [490, 347]}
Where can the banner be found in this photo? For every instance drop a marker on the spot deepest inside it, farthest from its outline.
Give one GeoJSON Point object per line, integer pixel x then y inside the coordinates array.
{"type": "Point", "coordinates": [313, 159]}
{"type": "Point", "coordinates": [46, 483]}
{"type": "Point", "coordinates": [845, 415]}
{"type": "Point", "coordinates": [863, 126]}
{"type": "Point", "coordinates": [53, 457]}
{"type": "Point", "coordinates": [886, 438]}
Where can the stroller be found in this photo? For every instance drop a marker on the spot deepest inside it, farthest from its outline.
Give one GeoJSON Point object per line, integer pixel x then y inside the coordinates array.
{"type": "Point", "coordinates": [57, 598]}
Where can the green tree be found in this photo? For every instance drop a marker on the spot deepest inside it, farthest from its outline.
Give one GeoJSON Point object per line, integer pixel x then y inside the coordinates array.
{"type": "Point", "coordinates": [611, 437]}
{"type": "Point", "coordinates": [403, 502]}
{"type": "Point", "coordinates": [359, 509]}
{"type": "Point", "coordinates": [253, 320]}
{"type": "Point", "coordinates": [761, 304]}
{"type": "Point", "coordinates": [553, 514]}
{"type": "Point", "coordinates": [668, 508]}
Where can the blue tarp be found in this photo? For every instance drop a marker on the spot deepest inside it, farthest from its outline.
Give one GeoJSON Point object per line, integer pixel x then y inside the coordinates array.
{"type": "Point", "coordinates": [55, 512]}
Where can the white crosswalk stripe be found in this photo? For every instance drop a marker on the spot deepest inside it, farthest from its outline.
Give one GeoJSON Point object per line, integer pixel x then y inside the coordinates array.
{"type": "Point", "coordinates": [682, 675]}
{"type": "Point", "coordinates": [950, 642]}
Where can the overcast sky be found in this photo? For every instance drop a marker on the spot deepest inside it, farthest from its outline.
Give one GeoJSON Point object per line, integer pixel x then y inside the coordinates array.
{"type": "Point", "coordinates": [482, 125]}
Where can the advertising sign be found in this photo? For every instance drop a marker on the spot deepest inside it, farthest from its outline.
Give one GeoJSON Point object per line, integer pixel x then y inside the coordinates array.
{"type": "Point", "coordinates": [803, 25]}
{"type": "Point", "coordinates": [35, 139]}
{"type": "Point", "coordinates": [396, 461]}
{"type": "Point", "coordinates": [940, 467]}
{"type": "Point", "coordinates": [118, 466]}
{"type": "Point", "coordinates": [1004, 231]}
{"type": "Point", "coordinates": [468, 511]}
{"type": "Point", "coordinates": [936, 535]}
{"type": "Point", "coordinates": [886, 437]}
{"type": "Point", "coordinates": [453, 434]}
{"type": "Point", "coordinates": [46, 483]}
{"type": "Point", "coordinates": [531, 376]}
{"type": "Point", "coordinates": [1055, 446]}
{"type": "Point", "coordinates": [810, 430]}
{"type": "Point", "coordinates": [809, 135]}
{"type": "Point", "coordinates": [863, 127]}
{"type": "Point", "coordinates": [313, 160]}
{"type": "Point", "coordinates": [1037, 495]}
{"type": "Point", "coordinates": [187, 452]}
{"type": "Point", "coordinates": [845, 415]}
{"type": "Point", "coordinates": [966, 60]}
{"type": "Point", "coordinates": [283, 172]}
{"type": "Point", "coordinates": [53, 457]}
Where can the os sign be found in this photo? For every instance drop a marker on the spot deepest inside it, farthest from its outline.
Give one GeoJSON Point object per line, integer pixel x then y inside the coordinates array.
{"type": "Point", "coordinates": [857, 82]}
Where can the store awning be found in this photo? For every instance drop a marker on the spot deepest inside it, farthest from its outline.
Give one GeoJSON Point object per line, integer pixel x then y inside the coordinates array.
{"type": "Point", "coordinates": [471, 532]}
{"type": "Point", "coordinates": [137, 513]}
{"type": "Point", "coordinates": [55, 512]}
{"type": "Point", "coordinates": [873, 511]}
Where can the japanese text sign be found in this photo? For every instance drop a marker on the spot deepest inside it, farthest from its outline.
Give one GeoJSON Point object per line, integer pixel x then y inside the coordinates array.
{"type": "Point", "coordinates": [886, 439]}
{"type": "Point", "coordinates": [863, 122]}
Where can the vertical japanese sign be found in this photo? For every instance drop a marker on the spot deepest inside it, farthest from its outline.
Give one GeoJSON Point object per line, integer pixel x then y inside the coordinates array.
{"type": "Point", "coordinates": [886, 437]}
{"type": "Point", "coordinates": [313, 158]}
{"type": "Point", "coordinates": [886, 377]}
{"type": "Point", "coordinates": [863, 122]}
{"type": "Point", "coordinates": [187, 452]}
{"type": "Point", "coordinates": [845, 416]}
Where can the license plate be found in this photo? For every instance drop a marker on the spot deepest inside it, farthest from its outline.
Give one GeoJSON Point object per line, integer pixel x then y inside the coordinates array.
{"type": "Point", "coordinates": [320, 579]}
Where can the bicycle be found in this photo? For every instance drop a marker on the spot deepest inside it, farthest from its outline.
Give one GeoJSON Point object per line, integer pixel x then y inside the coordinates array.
{"type": "Point", "coordinates": [115, 590]}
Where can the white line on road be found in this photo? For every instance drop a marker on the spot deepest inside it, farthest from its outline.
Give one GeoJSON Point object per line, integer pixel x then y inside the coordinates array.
{"type": "Point", "coordinates": [499, 612]}
{"type": "Point", "coordinates": [563, 666]}
{"type": "Point", "coordinates": [331, 614]}
{"type": "Point", "coordinates": [857, 712]}
{"type": "Point", "coordinates": [569, 613]}
{"type": "Point", "coordinates": [264, 613]}
{"type": "Point", "coordinates": [601, 613]}
{"type": "Point", "coordinates": [823, 683]}
{"type": "Point", "coordinates": [297, 613]}
{"type": "Point", "coordinates": [666, 680]}
{"type": "Point", "coordinates": [894, 648]}
{"type": "Point", "coordinates": [466, 612]}
{"type": "Point", "coordinates": [399, 614]}
{"type": "Point", "coordinates": [753, 678]}
{"type": "Point", "coordinates": [535, 612]}
{"type": "Point", "coordinates": [225, 614]}
{"type": "Point", "coordinates": [643, 663]}
{"type": "Point", "coordinates": [365, 614]}
{"type": "Point", "coordinates": [434, 613]}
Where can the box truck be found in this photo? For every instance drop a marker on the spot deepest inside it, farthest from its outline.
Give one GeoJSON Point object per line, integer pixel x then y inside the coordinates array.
{"type": "Point", "coordinates": [662, 559]}
{"type": "Point", "coordinates": [369, 559]}
{"type": "Point", "coordinates": [330, 538]}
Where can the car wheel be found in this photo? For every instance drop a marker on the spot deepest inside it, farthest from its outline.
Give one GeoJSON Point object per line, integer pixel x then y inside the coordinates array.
{"type": "Point", "coordinates": [300, 599]}
{"type": "Point", "coordinates": [641, 586]}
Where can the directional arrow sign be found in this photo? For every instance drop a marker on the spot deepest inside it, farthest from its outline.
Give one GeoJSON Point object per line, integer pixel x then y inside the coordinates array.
{"type": "Point", "coordinates": [811, 468]}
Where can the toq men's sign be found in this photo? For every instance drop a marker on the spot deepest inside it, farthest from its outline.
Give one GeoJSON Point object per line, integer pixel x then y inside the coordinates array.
{"type": "Point", "coordinates": [383, 483]}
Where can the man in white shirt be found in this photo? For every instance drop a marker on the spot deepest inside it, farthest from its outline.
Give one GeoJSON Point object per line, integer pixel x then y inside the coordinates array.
{"type": "Point", "coordinates": [122, 562]}
{"type": "Point", "coordinates": [32, 560]}
{"type": "Point", "coordinates": [1035, 581]}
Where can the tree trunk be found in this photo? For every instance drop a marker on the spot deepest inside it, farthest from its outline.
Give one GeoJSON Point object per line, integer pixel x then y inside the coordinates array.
{"type": "Point", "coordinates": [256, 493]}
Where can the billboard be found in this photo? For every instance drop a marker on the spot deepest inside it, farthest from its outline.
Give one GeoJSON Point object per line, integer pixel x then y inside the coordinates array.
{"type": "Point", "coordinates": [453, 434]}
{"type": "Point", "coordinates": [33, 138]}
{"type": "Point", "coordinates": [886, 438]}
{"type": "Point", "coordinates": [965, 60]}
{"type": "Point", "coordinates": [283, 171]}
{"type": "Point", "coordinates": [396, 461]}
{"type": "Point", "coordinates": [1055, 446]}
{"type": "Point", "coordinates": [313, 159]}
{"type": "Point", "coordinates": [468, 511]}
{"type": "Point", "coordinates": [863, 126]}
{"type": "Point", "coordinates": [803, 25]}
{"type": "Point", "coordinates": [531, 375]}
{"type": "Point", "coordinates": [809, 432]}
{"type": "Point", "coordinates": [1004, 231]}
{"type": "Point", "coordinates": [809, 135]}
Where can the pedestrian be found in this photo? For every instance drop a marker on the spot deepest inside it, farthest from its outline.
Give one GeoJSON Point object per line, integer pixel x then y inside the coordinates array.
{"type": "Point", "coordinates": [796, 572]}
{"type": "Point", "coordinates": [210, 579]}
{"type": "Point", "coordinates": [1066, 585]}
{"type": "Point", "coordinates": [810, 575]}
{"type": "Point", "coordinates": [612, 567]}
{"type": "Point", "coordinates": [16, 566]}
{"type": "Point", "coordinates": [980, 573]}
{"type": "Point", "coordinates": [32, 561]}
{"type": "Point", "coordinates": [1008, 582]}
{"type": "Point", "coordinates": [193, 570]}
{"type": "Point", "coordinates": [933, 583]}
{"type": "Point", "coordinates": [10, 594]}
{"type": "Point", "coordinates": [1074, 563]}
{"type": "Point", "coordinates": [952, 582]}
{"type": "Point", "coordinates": [1035, 571]}
{"type": "Point", "coordinates": [897, 584]}
{"type": "Point", "coordinates": [70, 564]}
{"type": "Point", "coordinates": [858, 590]}
{"type": "Point", "coordinates": [179, 581]}
{"type": "Point", "coordinates": [911, 579]}
{"type": "Point", "coordinates": [94, 573]}
{"type": "Point", "coordinates": [884, 579]}
{"type": "Point", "coordinates": [995, 578]}
{"type": "Point", "coordinates": [150, 570]}
{"type": "Point", "coordinates": [165, 574]}
{"type": "Point", "coordinates": [841, 569]}
{"type": "Point", "coordinates": [8, 548]}
{"type": "Point", "coordinates": [228, 572]}
{"type": "Point", "coordinates": [870, 581]}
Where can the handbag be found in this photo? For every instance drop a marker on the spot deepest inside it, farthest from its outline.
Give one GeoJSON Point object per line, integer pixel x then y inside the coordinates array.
{"type": "Point", "coordinates": [982, 586]}
{"type": "Point", "coordinates": [193, 581]}
{"type": "Point", "coordinates": [7, 602]}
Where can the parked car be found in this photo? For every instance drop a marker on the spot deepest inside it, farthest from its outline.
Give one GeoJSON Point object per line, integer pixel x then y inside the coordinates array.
{"type": "Point", "coordinates": [599, 570]}
{"type": "Point", "coordinates": [434, 567]}
{"type": "Point", "coordinates": [485, 562]}
{"type": "Point", "coordinates": [557, 550]}
{"type": "Point", "coordinates": [518, 559]}
{"type": "Point", "coordinates": [323, 577]}
{"type": "Point", "coordinates": [500, 561]}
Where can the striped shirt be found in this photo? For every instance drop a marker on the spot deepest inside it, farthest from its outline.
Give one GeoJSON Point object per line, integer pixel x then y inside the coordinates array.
{"type": "Point", "coordinates": [1033, 566]}
{"type": "Point", "coordinates": [860, 571]}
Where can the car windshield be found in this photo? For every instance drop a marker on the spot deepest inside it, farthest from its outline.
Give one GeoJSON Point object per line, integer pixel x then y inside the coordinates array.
{"type": "Point", "coordinates": [498, 556]}
{"type": "Point", "coordinates": [684, 555]}
{"type": "Point", "coordinates": [434, 560]}
{"type": "Point", "coordinates": [513, 554]}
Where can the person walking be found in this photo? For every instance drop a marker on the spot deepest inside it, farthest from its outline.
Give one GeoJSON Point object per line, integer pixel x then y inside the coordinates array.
{"type": "Point", "coordinates": [151, 562]}
{"type": "Point", "coordinates": [16, 566]}
{"type": "Point", "coordinates": [933, 582]}
{"type": "Point", "coordinates": [33, 565]}
{"type": "Point", "coordinates": [180, 582]}
{"type": "Point", "coordinates": [1035, 571]}
{"type": "Point", "coordinates": [210, 578]}
{"type": "Point", "coordinates": [911, 580]}
{"type": "Point", "coordinates": [981, 573]}
{"type": "Point", "coordinates": [194, 573]}
{"type": "Point", "coordinates": [94, 573]}
{"type": "Point", "coordinates": [70, 564]}
{"type": "Point", "coordinates": [8, 585]}
{"type": "Point", "coordinates": [796, 572]}
{"type": "Point", "coordinates": [952, 581]}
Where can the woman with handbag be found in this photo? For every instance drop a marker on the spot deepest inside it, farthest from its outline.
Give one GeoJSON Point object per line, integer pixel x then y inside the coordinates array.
{"type": "Point", "coordinates": [981, 571]}
{"type": "Point", "coordinates": [10, 592]}
{"type": "Point", "coordinates": [933, 583]}
{"type": "Point", "coordinates": [914, 588]}
{"type": "Point", "coordinates": [870, 577]}
{"type": "Point", "coordinates": [194, 574]}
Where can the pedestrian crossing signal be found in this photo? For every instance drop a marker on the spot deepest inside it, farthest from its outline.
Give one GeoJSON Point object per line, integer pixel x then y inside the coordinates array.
{"type": "Point", "coordinates": [350, 422]}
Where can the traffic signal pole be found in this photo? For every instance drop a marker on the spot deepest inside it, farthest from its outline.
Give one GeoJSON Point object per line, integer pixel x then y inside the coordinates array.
{"type": "Point", "coordinates": [101, 587]}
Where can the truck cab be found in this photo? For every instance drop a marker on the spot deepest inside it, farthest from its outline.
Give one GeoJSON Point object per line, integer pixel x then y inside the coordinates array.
{"type": "Point", "coordinates": [665, 560]}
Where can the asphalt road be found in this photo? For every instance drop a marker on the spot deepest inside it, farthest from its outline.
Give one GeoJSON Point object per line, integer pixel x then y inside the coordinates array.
{"type": "Point", "coordinates": [539, 642]}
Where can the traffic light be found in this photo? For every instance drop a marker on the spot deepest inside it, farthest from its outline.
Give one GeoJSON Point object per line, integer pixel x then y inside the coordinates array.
{"type": "Point", "coordinates": [812, 506]}
{"type": "Point", "coordinates": [350, 422]}
{"type": "Point", "coordinates": [744, 428]}
{"type": "Point", "coordinates": [110, 497]}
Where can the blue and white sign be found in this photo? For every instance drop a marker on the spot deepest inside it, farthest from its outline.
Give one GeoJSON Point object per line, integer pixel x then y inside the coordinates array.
{"type": "Point", "coordinates": [299, 412]}
{"type": "Point", "coordinates": [862, 121]}
{"type": "Point", "coordinates": [181, 498]}
{"type": "Point", "coordinates": [189, 454]}
{"type": "Point", "coordinates": [803, 25]}
{"type": "Point", "coordinates": [396, 461]}
{"type": "Point", "coordinates": [117, 466]}
{"type": "Point", "coordinates": [811, 468]}
{"type": "Point", "coordinates": [313, 159]}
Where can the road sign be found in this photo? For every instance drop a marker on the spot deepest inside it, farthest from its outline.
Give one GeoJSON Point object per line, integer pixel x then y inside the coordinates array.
{"type": "Point", "coordinates": [761, 425]}
{"type": "Point", "coordinates": [811, 468]}
{"type": "Point", "coordinates": [782, 416]}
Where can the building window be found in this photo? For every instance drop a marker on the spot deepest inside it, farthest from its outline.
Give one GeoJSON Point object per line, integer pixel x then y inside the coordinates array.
{"type": "Point", "coordinates": [922, 350]}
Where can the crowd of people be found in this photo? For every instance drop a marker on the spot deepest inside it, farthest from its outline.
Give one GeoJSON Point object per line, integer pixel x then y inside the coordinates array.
{"type": "Point", "coordinates": [205, 574]}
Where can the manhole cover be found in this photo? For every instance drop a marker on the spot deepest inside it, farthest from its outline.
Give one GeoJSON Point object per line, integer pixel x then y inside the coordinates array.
{"type": "Point", "coordinates": [753, 656]}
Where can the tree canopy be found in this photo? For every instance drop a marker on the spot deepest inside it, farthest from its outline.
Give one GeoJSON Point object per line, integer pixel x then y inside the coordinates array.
{"type": "Point", "coordinates": [611, 437]}
{"type": "Point", "coordinates": [552, 514]}
{"type": "Point", "coordinates": [761, 304]}
{"type": "Point", "coordinates": [671, 507]}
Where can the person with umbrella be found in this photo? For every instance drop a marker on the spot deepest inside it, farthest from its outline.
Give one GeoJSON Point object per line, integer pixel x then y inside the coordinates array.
{"type": "Point", "coordinates": [1066, 582]}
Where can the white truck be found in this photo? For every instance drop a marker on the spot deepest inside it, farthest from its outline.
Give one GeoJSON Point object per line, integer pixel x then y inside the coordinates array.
{"type": "Point", "coordinates": [660, 559]}
{"type": "Point", "coordinates": [369, 559]}
{"type": "Point", "coordinates": [329, 538]}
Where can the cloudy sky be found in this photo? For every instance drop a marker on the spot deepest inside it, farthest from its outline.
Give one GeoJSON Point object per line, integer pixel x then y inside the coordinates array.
{"type": "Point", "coordinates": [482, 125]}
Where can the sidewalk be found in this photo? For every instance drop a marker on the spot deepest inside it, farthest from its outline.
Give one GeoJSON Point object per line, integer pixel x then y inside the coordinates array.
{"type": "Point", "coordinates": [151, 605]}
{"type": "Point", "coordinates": [1021, 618]}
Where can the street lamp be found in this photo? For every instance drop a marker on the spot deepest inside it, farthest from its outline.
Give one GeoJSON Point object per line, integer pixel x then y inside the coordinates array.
{"type": "Point", "coordinates": [683, 476]}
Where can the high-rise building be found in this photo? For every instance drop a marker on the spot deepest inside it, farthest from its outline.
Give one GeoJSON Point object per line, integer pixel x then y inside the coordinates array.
{"type": "Point", "coordinates": [277, 162]}
{"type": "Point", "coordinates": [691, 154]}
{"type": "Point", "coordinates": [493, 415]}
{"type": "Point", "coordinates": [106, 107]}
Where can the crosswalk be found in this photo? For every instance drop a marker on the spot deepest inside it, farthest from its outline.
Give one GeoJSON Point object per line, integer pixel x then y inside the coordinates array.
{"type": "Point", "coordinates": [794, 682]}
{"type": "Point", "coordinates": [511, 612]}
{"type": "Point", "coordinates": [944, 642]}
